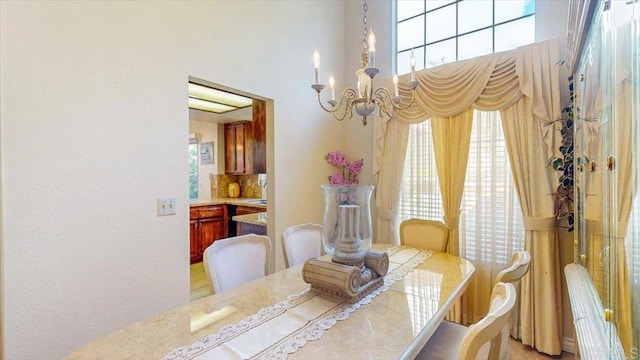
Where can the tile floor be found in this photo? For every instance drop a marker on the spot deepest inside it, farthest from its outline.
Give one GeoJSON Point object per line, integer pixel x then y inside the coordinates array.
{"type": "Point", "coordinates": [199, 286]}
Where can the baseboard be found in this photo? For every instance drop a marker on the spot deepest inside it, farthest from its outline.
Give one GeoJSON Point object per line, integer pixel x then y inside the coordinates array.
{"type": "Point", "coordinates": [568, 345]}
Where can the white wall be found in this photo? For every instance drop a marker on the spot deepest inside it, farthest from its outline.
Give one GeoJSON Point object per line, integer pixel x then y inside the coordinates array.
{"type": "Point", "coordinates": [93, 130]}
{"type": "Point", "coordinates": [208, 132]}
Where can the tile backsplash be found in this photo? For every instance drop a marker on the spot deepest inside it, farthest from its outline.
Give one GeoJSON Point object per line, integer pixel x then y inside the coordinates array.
{"type": "Point", "coordinates": [249, 187]}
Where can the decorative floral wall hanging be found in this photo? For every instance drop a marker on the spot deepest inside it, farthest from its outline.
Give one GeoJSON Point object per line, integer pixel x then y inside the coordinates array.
{"type": "Point", "coordinates": [564, 165]}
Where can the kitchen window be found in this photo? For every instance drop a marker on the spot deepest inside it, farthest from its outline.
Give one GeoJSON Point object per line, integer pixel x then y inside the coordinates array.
{"type": "Point", "coordinates": [193, 169]}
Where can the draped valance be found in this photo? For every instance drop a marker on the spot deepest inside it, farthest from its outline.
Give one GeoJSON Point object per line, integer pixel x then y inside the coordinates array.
{"type": "Point", "coordinates": [489, 83]}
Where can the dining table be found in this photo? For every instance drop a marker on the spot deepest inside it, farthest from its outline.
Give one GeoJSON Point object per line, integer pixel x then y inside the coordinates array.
{"type": "Point", "coordinates": [280, 317]}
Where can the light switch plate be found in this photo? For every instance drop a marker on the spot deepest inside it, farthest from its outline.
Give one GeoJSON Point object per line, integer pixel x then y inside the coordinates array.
{"type": "Point", "coordinates": [166, 206]}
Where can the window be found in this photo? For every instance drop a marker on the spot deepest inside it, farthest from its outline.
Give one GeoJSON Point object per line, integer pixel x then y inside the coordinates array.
{"type": "Point", "coordinates": [490, 218]}
{"type": "Point", "coordinates": [440, 32]}
{"type": "Point", "coordinates": [491, 225]}
{"type": "Point", "coordinates": [193, 169]}
{"type": "Point", "coordinates": [420, 188]}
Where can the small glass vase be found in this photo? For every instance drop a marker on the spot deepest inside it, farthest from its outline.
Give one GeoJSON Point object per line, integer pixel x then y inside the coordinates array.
{"type": "Point", "coordinates": [347, 230]}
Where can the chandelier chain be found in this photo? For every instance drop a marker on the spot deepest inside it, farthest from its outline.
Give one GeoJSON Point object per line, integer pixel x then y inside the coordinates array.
{"type": "Point", "coordinates": [365, 33]}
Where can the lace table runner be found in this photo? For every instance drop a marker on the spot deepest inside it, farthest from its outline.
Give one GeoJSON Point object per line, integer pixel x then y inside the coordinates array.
{"type": "Point", "coordinates": [279, 330]}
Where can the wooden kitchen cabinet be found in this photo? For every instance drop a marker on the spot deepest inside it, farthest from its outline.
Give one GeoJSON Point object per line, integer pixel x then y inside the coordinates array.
{"type": "Point", "coordinates": [238, 148]}
{"type": "Point", "coordinates": [232, 210]}
{"type": "Point", "coordinates": [246, 228]}
{"type": "Point", "coordinates": [242, 228]}
{"type": "Point", "coordinates": [259, 137]}
{"type": "Point", "coordinates": [206, 224]}
{"type": "Point", "coordinates": [242, 210]}
{"type": "Point", "coordinates": [245, 143]}
{"type": "Point", "coordinates": [194, 240]}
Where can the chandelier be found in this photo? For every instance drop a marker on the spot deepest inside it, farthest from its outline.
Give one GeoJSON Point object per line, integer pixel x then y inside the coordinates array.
{"type": "Point", "coordinates": [364, 98]}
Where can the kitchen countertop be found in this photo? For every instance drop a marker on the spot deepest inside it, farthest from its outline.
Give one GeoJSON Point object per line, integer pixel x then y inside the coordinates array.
{"type": "Point", "coordinates": [255, 219]}
{"type": "Point", "coordinates": [253, 202]}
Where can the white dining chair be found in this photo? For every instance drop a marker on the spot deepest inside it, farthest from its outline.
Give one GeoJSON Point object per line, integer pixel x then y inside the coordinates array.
{"type": "Point", "coordinates": [301, 243]}
{"type": "Point", "coordinates": [479, 341]}
{"type": "Point", "coordinates": [424, 234]}
{"type": "Point", "coordinates": [517, 268]}
{"type": "Point", "coordinates": [233, 261]}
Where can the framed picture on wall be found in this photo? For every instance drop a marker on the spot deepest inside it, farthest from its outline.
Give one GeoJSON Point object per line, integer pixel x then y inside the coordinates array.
{"type": "Point", "coordinates": [206, 153]}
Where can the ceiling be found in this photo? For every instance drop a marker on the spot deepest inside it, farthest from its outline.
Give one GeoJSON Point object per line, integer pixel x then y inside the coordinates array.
{"type": "Point", "coordinates": [230, 116]}
{"type": "Point", "coordinates": [209, 104]}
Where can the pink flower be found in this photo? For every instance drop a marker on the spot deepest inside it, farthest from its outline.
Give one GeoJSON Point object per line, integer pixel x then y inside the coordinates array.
{"type": "Point", "coordinates": [337, 179]}
{"type": "Point", "coordinates": [355, 167]}
{"type": "Point", "coordinates": [350, 171]}
{"type": "Point", "coordinates": [336, 158]}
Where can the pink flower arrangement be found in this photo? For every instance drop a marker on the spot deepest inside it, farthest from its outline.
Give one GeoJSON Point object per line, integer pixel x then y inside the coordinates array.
{"type": "Point", "coordinates": [349, 171]}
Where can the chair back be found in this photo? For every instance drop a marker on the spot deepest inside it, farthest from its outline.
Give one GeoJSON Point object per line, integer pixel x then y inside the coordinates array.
{"type": "Point", "coordinates": [512, 274]}
{"type": "Point", "coordinates": [424, 234]}
{"type": "Point", "coordinates": [484, 338]}
{"type": "Point", "coordinates": [301, 243]}
{"type": "Point", "coordinates": [519, 266]}
{"type": "Point", "coordinates": [233, 261]}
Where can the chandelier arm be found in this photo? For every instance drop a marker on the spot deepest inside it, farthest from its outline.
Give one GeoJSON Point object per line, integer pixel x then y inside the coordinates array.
{"type": "Point", "coordinates": [348, 95]}
{"type": "Point", "coordinates": [379, 97]}
{"type": "Point", "coordinates": [403, 107]}
{"type": "Point", "coordinates": [383, 97]}
{"type": "Point", "coordinates": [382, 109]}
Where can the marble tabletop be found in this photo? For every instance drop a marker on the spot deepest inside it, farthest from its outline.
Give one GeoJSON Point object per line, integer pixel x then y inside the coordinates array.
{"type": "Point", "coordinates": [396, 324]}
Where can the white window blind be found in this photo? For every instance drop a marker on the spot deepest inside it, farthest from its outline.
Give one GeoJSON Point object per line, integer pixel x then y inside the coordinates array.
{"type": "Point", "coordinates": [490, 221]}
{"type": "Point", "coordinates": [490, 226]}
{"type": "Point", "coordinates": [420, 188]}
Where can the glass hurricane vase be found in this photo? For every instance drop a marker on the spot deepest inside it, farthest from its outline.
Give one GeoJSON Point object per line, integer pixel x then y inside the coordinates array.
{"type": "Point", "coordinates": [347, 230]}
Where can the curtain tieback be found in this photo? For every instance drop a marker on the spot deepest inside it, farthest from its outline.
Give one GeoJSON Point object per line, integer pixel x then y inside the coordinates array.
{"type": "Point", "coordinates": [452, 222]}
{"type": "Point", "coordinates": [539, 223]}
{"type": "Point", "coordinates": [595, 227]}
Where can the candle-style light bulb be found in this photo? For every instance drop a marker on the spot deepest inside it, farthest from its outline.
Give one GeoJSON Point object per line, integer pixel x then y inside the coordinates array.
{"type": "Point", "coordinates": [395, 85]}
{"type": "Point", "coordinates": [412, 62]}
{"type": "Point", "coordinates": [372, 49]}
{"type": "Point", "coordinates": [316, 64]}
{"type": "Point", "coordinates": [333, 89]}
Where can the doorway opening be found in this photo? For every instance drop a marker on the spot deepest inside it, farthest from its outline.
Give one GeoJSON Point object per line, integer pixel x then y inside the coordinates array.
{"type": "Point", "coordinates": [230, 169]}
